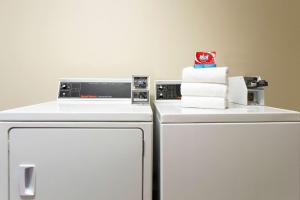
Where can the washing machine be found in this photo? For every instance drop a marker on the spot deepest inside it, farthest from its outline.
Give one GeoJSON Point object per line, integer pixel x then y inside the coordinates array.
{"type": "Point", "coordinates": [91, 143]}
{"type": "Point", "coordinates": [241, 153]}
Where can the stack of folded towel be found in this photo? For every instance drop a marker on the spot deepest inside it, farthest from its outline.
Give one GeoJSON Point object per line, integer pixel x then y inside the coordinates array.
{"type": "Point", "coordinates": [204, 87]}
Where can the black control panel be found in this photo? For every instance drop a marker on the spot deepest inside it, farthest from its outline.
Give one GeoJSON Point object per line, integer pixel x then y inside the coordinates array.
{"type": "Point", "coordinates": [99, 89]}
{"type": "Point", "coordinates": [165, 91]}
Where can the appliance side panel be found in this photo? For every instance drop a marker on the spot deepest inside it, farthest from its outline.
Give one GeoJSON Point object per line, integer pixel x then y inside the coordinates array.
{"type": "Point", "coordinates": [230, 161]}
{"type": "Point", "coordinates": [156, 159]}
{"type": "Point", "coordinates": [4, 128]}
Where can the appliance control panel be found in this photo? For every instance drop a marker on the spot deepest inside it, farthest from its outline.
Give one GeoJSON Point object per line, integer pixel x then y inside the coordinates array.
{"type": "Point", "coordinates": [140, 82]}
{"type": "Point", "coordinates": [253, 82]}
{"type": "Point", "coordinates": [167, 90]}
{"type": "Point", "coordinates": [94, 89]}
{"type": "Point", "coordinates": [141, 96]}
{"type": "Point", "coordinates": [247, 90]}
{"type": "Point", "coordinates": [140, 89]}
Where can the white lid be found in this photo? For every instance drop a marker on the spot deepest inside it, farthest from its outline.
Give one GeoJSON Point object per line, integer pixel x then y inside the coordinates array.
{"type": "Point", "coordinates": [172, 112]}
{"type": "Point", "coordinates": [114, 111]}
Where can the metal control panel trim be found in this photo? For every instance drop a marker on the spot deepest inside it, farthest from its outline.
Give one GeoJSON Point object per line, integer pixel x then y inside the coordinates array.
{"type": "Point", "coordinates": [140, 89]}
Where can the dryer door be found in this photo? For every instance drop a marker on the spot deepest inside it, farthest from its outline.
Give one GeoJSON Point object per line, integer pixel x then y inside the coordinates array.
{"type": "Point", "coordinates": [76, 164]}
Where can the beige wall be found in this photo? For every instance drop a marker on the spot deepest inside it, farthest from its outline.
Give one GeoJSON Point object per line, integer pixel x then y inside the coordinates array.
{"type": "Point", "coordinates": [43, 40]}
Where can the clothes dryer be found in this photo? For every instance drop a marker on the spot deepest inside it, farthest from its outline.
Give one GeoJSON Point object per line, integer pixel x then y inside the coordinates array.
{"type": "Point", "coordinates": [244, 152]}
{"type": "Point", "coordinates": [91, 143]}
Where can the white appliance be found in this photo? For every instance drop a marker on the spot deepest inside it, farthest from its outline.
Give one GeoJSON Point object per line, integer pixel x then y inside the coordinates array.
{"type": "Point", "coordinates": [241, 153]}
{"type": "Point", "coordinates": [90, 144]}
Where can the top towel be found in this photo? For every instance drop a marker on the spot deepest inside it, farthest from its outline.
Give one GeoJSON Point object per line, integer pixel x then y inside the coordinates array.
{"type": "Point", "coordinates": [205, 75]}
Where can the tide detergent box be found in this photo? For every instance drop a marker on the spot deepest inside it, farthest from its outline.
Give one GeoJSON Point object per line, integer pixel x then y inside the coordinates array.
{"type": "Point", "coordinates": [205, 59]}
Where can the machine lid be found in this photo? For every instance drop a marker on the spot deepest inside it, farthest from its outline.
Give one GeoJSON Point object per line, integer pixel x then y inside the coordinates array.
{"type": "Point", "coordinates": [108, 111]}
{"type": "Point", "coordinates": [172, 112]}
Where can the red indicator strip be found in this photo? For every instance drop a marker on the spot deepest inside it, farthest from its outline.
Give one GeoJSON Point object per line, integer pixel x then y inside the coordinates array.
{"type": "Point", "coordinates": [88, 96]}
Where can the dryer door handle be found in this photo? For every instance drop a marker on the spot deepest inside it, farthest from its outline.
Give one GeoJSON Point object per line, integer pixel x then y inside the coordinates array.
{"type": "Point", "coordinates": [27, 180]}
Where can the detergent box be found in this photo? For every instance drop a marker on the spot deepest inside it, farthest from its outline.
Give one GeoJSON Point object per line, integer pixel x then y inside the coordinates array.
{"type": "Point", "coordinates": [205, 59]}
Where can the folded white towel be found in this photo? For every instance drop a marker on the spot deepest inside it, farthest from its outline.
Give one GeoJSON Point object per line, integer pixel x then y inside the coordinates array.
{"type": "Point", "coordinates": [204, 102]}
{"type": "Point", "coordinates": [205, 75]}
{"type": "Point", "coordinates": [204, 89]}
